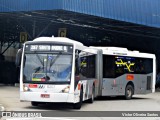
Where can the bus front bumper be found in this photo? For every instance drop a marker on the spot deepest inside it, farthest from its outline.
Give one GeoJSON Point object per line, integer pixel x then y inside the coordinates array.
{"type": "Point", "coordinates": [49, 97]}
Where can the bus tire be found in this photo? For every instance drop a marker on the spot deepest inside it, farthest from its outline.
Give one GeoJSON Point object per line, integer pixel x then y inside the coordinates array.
{"type": "Point", "coordinates": [34, 103]}
{"type": "Point", "coordinates": [129, 92]}
{"type": "Point", "coordinates": [79, 104]}
{"type": "Point", "coordinates": [91, 100]}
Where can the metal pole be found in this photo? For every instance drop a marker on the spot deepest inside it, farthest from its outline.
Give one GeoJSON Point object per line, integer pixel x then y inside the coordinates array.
{"type": "Point", "coordinates": [1, 48]}
{"type": "Point", "coordinates": [34, 28]}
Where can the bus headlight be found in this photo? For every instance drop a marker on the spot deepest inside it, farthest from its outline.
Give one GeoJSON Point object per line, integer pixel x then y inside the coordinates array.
{"type": "Point", "coordinates": [26, 89]}
{"type": "Point", "coordinates": [66, 89]}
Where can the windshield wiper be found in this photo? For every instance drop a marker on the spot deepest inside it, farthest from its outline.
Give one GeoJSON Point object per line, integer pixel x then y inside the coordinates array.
{"type": "Point", "coordinates": [40, 60]}
{"type": "Point", "coordinates": [52, 62]}
{"type": "Point", "coordinates": [38, 69]}
{"type": "Point", "coordinates": [42, 63]}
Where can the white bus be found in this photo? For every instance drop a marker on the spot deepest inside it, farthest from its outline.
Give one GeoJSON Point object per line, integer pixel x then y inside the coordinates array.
{"type": "Point", "coordinates": [60, 70]}
{"type": "Point", "coordinates": [124, 72]}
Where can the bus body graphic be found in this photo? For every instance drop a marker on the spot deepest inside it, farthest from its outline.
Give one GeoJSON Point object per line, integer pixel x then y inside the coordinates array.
{"type": "Point", "coordinates": [124, 63]}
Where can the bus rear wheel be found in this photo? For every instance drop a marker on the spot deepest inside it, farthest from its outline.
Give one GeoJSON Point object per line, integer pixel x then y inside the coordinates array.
{"type": "Point", "coordinates": [129, 92]}
{"type": "Point", "coordinates": [79, 104]}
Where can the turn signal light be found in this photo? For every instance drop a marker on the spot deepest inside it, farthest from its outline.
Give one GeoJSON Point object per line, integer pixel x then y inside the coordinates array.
{"type": "Point", "coordinates": [79, 86]}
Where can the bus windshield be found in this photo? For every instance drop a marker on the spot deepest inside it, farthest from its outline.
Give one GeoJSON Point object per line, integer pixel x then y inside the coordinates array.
{"type": "Point", "coordinates": [47, 67]}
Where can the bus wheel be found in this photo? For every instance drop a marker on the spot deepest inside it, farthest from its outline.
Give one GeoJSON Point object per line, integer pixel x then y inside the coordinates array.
{"type": "Point", "coordinates": [79, 104]}
{"type": "Point", "coordinates": [34, 103]}
{"type": "Point", "coordinates": [129, 92]}
{"type": "Point", "coordinates": [91, 100]}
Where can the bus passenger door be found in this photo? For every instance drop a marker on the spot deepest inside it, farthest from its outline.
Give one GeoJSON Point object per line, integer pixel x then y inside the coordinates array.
{"type": "Point", "coordinates": [110, 84]}
{"type": "Point", "coordinates": [145, 84]}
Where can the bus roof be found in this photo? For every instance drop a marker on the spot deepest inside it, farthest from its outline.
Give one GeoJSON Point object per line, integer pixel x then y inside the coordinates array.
{"type": "Point", "coordinates": [123, 52]}
{"type": "Point", "coordinates": [112, 48]}
{"type": "Point", "coordinates": [57, 39]}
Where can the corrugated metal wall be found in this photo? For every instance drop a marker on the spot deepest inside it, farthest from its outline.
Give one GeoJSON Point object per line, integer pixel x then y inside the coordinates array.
{"type": "Point", "coordinates": [28, 5]}
{"type": "Point", "coordinates": [146, 12]}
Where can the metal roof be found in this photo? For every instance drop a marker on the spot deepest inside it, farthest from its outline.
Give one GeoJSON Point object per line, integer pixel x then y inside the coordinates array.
{"type": "Point", "coordinates": [145, 12]}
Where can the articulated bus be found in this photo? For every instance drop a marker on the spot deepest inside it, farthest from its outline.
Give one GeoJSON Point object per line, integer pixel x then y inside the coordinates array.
{"type": "Point", "coordinates": [60, 70]}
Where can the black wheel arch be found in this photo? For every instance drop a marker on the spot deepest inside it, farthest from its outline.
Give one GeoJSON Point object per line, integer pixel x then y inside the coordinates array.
{"type": "Point", "coordinates": [132, 84]}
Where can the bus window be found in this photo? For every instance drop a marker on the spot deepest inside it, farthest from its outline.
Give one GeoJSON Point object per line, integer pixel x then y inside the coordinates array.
{"type": "Point", "coordinates": [88, 64]}
{"type": "Point", "coordinates": [83, 63]}
{"type": "Point", "coordinates": [108, 66]}
{"type": "Point", "coordinates": [143, 65]}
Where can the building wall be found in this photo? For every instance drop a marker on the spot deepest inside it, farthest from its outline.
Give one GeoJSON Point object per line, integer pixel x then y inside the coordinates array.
{"type": "Point", "coordinates": [29, 5]}
{"type": "Point", "coordinates": [145, 12]}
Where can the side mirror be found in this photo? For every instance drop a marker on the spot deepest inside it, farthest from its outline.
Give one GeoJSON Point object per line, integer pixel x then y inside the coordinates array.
{"type": "Point", "coordinates": [76, 55]}
{"type": "Point", "coordinates": [18, 58]}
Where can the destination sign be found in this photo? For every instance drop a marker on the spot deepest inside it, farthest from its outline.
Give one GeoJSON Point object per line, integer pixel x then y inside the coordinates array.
{"type": "Point", "coordinates": [59, 48]}
{"type": "Point", "coordinates": [63, 48]}
{"type": "Point", "coordinates": [40, 47]}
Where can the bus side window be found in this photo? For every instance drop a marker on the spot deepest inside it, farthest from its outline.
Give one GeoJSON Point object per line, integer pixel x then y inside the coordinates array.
{"type": "Point", "coordinates": [108, 66]}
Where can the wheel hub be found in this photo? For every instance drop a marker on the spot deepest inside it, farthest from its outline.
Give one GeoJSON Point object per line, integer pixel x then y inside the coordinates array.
{"type": "Point", "coordinates": [129, 92]}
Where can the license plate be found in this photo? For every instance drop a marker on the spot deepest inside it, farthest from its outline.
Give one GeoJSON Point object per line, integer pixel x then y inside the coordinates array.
{"type": "Point", "coordinates": [45, 96]}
